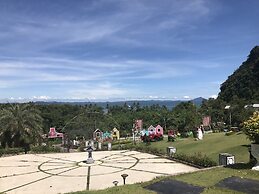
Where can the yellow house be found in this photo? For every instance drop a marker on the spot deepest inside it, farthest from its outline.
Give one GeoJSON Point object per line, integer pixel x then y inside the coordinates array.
{"type": "Point", "coordinates": [115, 134]}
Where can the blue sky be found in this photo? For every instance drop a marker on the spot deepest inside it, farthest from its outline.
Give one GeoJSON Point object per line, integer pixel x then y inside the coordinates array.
{"type": "Point", "coordinates": [122, 49]}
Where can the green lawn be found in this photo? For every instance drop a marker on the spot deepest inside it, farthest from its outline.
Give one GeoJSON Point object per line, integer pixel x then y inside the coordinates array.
{"type": "Point", "coordinates": [211, 145]}
{"type": "Point", "coordinates": [209, 178]}
{"type": "Point", "coordinates": [205, 178]}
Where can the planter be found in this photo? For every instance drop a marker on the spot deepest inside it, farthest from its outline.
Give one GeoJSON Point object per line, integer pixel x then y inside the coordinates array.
{"type": "Point", "coordinates": [255, 153]}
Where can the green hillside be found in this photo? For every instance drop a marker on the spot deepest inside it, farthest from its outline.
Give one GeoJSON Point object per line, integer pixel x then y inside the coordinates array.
{"type": "Point", "coordinates": [244, 82]}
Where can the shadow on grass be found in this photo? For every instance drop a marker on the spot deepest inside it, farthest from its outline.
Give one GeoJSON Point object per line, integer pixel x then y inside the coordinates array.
{"type": "Point", "coordinates": [248, 165]}
{"type": "Point", "coordinates": [248, 145]}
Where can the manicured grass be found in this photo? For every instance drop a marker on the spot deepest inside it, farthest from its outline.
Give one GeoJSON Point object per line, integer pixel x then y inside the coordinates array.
{"type": "Point", "coordinates": [208, 178]}
{"type": "Point", "coordinates": [205, 178]}
{"type": "Point", "coordinates": [127, 189]}
{"type": "Point", "coordinates": [212, 144]}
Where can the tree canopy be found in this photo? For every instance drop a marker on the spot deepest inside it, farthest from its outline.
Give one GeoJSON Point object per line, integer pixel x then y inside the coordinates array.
{"type": "Point", "coordinates": [20, 124]}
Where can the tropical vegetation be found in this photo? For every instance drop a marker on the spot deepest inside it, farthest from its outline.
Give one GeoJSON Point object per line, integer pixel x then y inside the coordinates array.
{"type": "Point", "coordinates": [21, 125]}
{"type": "Point", "coordinates": [251, 127]}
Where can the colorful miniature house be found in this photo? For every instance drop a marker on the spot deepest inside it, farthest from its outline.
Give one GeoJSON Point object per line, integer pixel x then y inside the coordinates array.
{"type": "Point", "coordinates": [54, 134]}
{"type": "Point", "coordinates": [151, 129]}
{"type": "Point", "coordinates": [98, 135]}
{"type": "Point", "coordinates": [154, 134]}
{"type": "Point", "coordinates": [107, 136]}
{"type": "Point", "coordinates": [138, 125]}
{"type": "Point", "coordinates": [144, 132]}
{"type": "Point", "coordinates": [159, 130]}
{"type": "Point", "coordinates": [115, 134]}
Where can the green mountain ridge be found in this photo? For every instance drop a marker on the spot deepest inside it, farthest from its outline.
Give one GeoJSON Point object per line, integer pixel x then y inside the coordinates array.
{"type": "Point", "coordinates": [243, 84]}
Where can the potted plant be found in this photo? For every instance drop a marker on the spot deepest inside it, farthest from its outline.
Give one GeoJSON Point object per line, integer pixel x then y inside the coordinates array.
{"type": "Point", "coordinates": [251, 129]}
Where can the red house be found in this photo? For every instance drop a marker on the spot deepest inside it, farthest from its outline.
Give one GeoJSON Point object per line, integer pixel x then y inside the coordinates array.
{"type": "Point", "coordinates": [54, 134]}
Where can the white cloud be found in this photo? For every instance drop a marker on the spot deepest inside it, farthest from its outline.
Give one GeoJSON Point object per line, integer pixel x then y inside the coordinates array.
{"type": "Point", "coordinates": [125, 26]}
{"type": "Point", "coordinates": [41, 98]}
{"type": "Point", "coordinates": [99, 91]}
{"type": "Point", "coordinates": [59, 70]}
{"type": "Point", "coordinates": [186, 97]}
{"type": "Point", "coordinates": [214, 96]}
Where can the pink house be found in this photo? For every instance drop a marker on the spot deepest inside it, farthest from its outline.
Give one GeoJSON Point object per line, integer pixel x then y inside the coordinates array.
{"type": "Point", "coordinates": [159, 130]}
{"type": "Point", "coordinates": [151, 129]}
{"type": "Point", "coordinates": [54, 134]}
{"type": "Point", "coordinates": [154, 133]}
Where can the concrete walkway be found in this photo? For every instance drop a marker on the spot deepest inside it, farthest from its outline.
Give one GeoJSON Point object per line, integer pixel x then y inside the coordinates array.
{"type": "Point", "coordinates": [65, 172]}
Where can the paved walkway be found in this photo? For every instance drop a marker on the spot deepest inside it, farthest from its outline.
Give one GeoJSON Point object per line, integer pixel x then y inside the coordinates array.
{"type": "Point", "coordinates": [65, 172]}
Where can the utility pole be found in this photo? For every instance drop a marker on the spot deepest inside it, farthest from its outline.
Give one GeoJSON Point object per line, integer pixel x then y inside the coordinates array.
{"type": "Point", "coordinates": [133, 130]}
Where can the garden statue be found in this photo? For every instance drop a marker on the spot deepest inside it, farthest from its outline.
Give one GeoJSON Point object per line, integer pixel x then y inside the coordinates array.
{"type": "Point", "coordinates": [90, 159]}
{"type": "Point", "coordinates": [200, 134]}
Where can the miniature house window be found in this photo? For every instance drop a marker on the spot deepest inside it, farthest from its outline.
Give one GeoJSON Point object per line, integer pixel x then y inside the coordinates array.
{"type": "Point", "coordinates": [98, 134]}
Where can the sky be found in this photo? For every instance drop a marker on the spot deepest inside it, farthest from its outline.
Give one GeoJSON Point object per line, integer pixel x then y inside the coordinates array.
{"type": "Point", "coordinates": [122, 49]}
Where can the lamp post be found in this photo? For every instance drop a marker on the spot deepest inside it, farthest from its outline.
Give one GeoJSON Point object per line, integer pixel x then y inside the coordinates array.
{"type": "Point", "coordinates": [230, 119]}
{"type": "Point", "coordinates": [133, 132]}
{"type": "Point", "coordinates": [115, 183]}
{"type": "Point", "coordinates": [124, 176]}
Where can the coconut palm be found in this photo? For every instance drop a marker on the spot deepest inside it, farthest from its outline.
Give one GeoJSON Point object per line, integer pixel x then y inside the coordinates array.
{"type": "Point", "coordinates": [20, 124]}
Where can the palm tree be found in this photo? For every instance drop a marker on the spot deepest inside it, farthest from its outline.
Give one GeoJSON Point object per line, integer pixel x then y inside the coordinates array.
{"type": "Point", "coordinates": [21, 124]}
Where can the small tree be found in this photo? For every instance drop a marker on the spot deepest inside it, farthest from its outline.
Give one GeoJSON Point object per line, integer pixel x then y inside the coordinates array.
{"type": "Point", "coordinates": [251, 127]}
{"type": "Point", "coordinates": [21, 124]}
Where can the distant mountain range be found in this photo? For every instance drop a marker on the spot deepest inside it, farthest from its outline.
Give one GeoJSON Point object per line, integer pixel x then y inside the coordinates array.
{"type": "Point", "coordinates": [168, 103]}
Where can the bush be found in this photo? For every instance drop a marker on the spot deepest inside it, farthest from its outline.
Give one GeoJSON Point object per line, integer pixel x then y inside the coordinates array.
{"type": "Point", "coordinates": [81, 148]}
{"type": "Point", "coordinates": [121, 142]}
{"type": "Point", "coordinates": [119, 145]}
{"type": "Point", "coordinates": [251, 127]}
{"type": "Point", "coordinates": [197, 159]}
{"type": "Point", "coordinates": [11, 151]}
{"type": "Point", "coordinates": [216, 130]}
{"type": "Point", "coordinates": [45, 149]}
{"type": "Point", "coordinates": [145, 148]}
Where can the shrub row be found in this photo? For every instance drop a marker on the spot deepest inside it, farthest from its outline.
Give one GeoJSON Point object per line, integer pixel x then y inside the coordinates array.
{"type": "Point", "coordinates": [11, 151]}
{"type": "Point", "coordinates": [45, 149]}
{"type": "Point", "coordinates": [120, 142]}
{"type": "Point", "coordinates": [197, 159]}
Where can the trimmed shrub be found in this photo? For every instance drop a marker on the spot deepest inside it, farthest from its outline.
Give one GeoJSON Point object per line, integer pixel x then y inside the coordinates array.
{"type": "Point", "coordinates": [45, 149]}
{"type": "Point", "coordinates": [196, 159]}
{"type": "Point", "coordinates": [11, 151]}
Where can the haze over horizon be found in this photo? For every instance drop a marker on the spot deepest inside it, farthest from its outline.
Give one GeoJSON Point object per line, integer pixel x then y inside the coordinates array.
{"type": "Point", "coordinates": [111, 49]}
